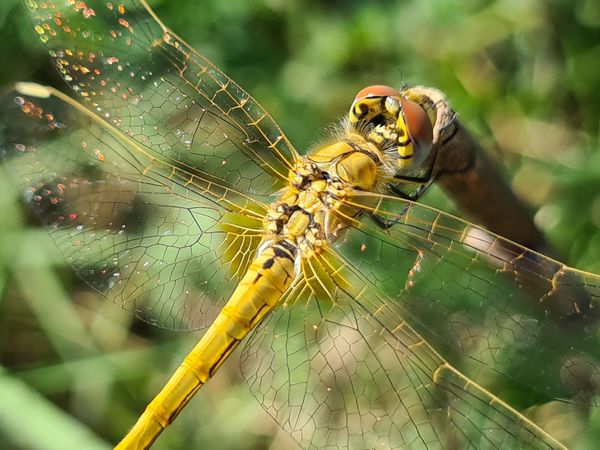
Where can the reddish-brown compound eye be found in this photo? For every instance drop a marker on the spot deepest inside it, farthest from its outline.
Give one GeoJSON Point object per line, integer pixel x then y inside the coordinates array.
{"type": "Point", "coordinates": [378, 90]}
{"type": "Point", "coordinates": [418, 125]}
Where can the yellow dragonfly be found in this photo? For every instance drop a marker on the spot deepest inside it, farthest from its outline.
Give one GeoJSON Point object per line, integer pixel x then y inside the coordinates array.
{"type": "Point", "coordinates": [373, 321]}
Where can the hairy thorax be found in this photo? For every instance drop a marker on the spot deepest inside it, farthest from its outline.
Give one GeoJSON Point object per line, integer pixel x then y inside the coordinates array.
{"type": "Point", "coordinates": [313, 209]}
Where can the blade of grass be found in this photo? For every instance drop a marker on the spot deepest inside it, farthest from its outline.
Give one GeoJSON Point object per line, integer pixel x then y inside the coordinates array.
{"type": "Point", "coordinates": [31, 421]}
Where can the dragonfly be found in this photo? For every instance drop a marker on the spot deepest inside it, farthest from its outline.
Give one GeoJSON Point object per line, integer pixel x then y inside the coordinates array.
{"type": "Point", "coordinates": [371, 320]}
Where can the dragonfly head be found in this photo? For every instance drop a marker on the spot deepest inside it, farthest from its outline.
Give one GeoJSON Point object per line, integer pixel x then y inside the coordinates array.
{"type": "Point", "coordinates": [388, 119]}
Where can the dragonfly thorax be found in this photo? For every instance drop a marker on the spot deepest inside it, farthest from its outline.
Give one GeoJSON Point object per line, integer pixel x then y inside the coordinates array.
{"type": "Point", "coordinates": [354, 162]}
{"type": "Point", "coordinates": [308, 211]}
{"type": "Point", "coordinates": [299, 215]}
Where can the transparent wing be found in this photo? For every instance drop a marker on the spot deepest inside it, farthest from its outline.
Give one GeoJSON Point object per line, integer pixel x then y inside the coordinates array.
{"type": "Point", "coordinates": [139, 76]}
{"type": "Point", "coordinates": [404, 331]}
{"type": "Point", "coordinates": [160, 238]}
{"type": "Point", "coordinates": [338, 366]}
{"type": "Point", "coordinates": [501, 313]}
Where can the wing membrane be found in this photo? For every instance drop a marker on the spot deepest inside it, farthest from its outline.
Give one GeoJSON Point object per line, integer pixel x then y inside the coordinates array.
{"type": "Point", "coordinates": [159, 238]}
{"type": "Point", "coordinates": [135, 73]}
{"type": "Point", "coordinates": [501, 313]}
{"type": "Point", "coordinates": [339, 367]}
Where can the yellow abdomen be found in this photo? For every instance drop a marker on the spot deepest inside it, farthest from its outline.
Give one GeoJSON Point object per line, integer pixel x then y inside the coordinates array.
{"type": "Point", "coordinates": [267, 279]}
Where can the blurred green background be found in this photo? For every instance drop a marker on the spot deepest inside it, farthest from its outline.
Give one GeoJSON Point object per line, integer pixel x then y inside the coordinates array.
{"type": "Point", "coordinates": [522, 75]}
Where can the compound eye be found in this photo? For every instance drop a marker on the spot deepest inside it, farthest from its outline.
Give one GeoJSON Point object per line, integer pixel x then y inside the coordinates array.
{"type": "Point", "coordinates": [418, 127]}
{"type": "Point", "coordinates": [377, 90]}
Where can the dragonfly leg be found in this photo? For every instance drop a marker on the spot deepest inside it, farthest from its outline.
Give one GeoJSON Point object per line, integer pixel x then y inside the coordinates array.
{"type": "Point", "coordinates": [412, 196]}
{"type": "Point", "coordinates": [385, 224]}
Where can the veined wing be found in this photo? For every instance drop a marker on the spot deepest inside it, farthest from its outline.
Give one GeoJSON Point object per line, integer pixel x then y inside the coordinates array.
{"type": "Point", "coordinates": [401, 334]}
{"type": "Point", "coordinates": [160, 238]}
{"type": "Point", "coordinates": [136, 74]}
{"type": "Point", "coordinates": [502, 314]}
{"type": "Point", "coordinates": [338, 366]}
